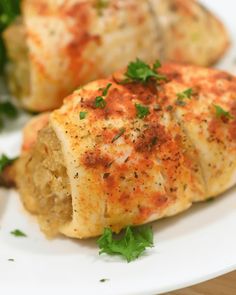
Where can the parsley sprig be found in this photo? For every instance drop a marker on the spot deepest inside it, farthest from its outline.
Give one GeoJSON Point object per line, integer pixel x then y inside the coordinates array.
{"type": "Point", "coordinates": [139, 71]}
{"type": "Point", "coordinates": [185, 94]}
{"type": "Point", "coordinates": [182, 96]}
{"type": "Point", "coordinates": [106, 89]}
{"type": "Point", "coordinates": [9, 9]}
{"type": "Point", "coordinates": [7, 110]}
{"type": "Point", "coordinates": [5, 161]}
{"type": "Point", "coordinates": [100, 102]}
{"type": "Point", "coordinates": [130, 246]}
{"type": "Point", "coordinates": [221, 113]}
{"type": "Point", "coordinates": [141, 111]}
{"type": "Point", "coordinates": [18, 233]}
{"type": "Point", "coordinates": [118, 135]}
{"type": "Point", "coordinates": [103, 280]}
{"type": "Point", "coordinates": [82, 115]}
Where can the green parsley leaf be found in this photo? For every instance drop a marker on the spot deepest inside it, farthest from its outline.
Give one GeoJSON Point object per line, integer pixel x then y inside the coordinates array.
{"type": "Point", "coordinates": [156, 65]}
{"type": "Point", "coordinates": [18, 233]}
{"type": "Point", "coordinates": [100, 102]}
{"type": "Point", "coordinates": [82, 115]}
{"type": "Point", "coordinates": [142, 111]}
{"type": "Point", "coordinates": [141, 72]}
{"type": "Point", "coordinates": [9, 9]}
{"type": "Point", "coordinates": [169, 108]}
{"type": "Point", "coordinates": [106, 89]}
{"type": "Point", "coordinates": [103, 280]}
{"type": "Point", "coordinates": [5, 161]}
{"type": "Point", "coordinates": [180, 102]}
{"type": "Point", "coordinates": [118, 135]}
{"type": "Point", "coordinates": [185, 94]}
{"type": "Point", "coordinates": [8, 109]}
{"type": "Point", "coordinates": [100, 5]}
{"type": "Point", "coordinates": [221, 113]}
{"type": "Point", "coordinates": [130, 246]}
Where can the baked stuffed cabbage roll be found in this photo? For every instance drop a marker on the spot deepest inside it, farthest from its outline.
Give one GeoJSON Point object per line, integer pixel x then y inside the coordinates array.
{"type": "Point", "coordinates": [59, 45]}
{"type": "Point", "coordinates": [141, 145]}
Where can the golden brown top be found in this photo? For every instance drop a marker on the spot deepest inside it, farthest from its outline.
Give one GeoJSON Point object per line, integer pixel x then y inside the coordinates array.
{"type": "Point", "coordinates": [142, 147]}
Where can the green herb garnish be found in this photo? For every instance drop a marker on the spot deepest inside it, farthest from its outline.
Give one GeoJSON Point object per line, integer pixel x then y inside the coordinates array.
{"type": "Point", "coordinates": [169, 108]}
{"type": "Point", "coordinates": [156, 65]}
{"type": "Point", "coordinates": [100, 102]}
{"type": "Point", "coordinates": [139, 71]}
{"type": "Point", "coordinates": [185, 94]}
{"type": "Point", "coordinates": [221, 113]}
{"type": "Point", "coordinates": [142, 111]}
{"type": "Point", "coordinates": [130, 246]}
{"type": "Point", "coordinates": [103, 280]}
{"type": "Point", "coordinates": [5, 161]}
{"type": "Point", "coordinates": [11, 259]}
{"type": "Point", "coordinates": [118, 135]}
{"type": "Point", "coordinates": [106, 89]}
{"type": "Point", "coordinates": [100, 5]}
{"type": "Point", "coordinates": [8, 109]}
{"type": "Point", "coordinates": [9, 10]}
{"type": "Point", "coordinates": [18, 233]}
{"type": "Point", "coordinates": [180, 102]}
{"type": "Point", "coordinates": [82, 115]}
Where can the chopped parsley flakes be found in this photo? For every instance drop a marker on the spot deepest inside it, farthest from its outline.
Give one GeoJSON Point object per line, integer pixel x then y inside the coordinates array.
{"type": "Point", "coordinates": [18, 233]}
{"type": "Point", "coordinates": [100, 102]}
{"type": "Point", "coordinates": [187, 94]}
{"type": "Point", "coordinates": [103, 280]}
{"type": "Point", "coordinates": [106, 89]}
{"type": "Point", "coordinates": [142, 111]}
{"type": "Point", "coordinates": [130, 245]}
{"type": "Point", "coordinates": [5, 161]}
{"type": "Point", "coordinates": [221, 113]}
{"type": "Point", "coordinates": [156, 65]}
{"type": "Point", "coordinates": [82, 115]}
{"type": "Point", "coordinates": [8, 109]}
{"type": "Point", "coordinates": [139, 71]}
{"type": "Point", "coordinates": [118, 135]}
{"type": "Point", "coordinates": [180, 102]}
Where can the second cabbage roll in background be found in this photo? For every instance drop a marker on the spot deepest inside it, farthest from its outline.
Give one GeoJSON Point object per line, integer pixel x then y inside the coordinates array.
{"type": "Point", "coordinates": [56, 46]}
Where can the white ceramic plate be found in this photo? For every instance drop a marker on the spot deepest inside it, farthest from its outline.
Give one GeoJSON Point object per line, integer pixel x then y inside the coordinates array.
{"type": "Point", "coordinates": [193, 247]}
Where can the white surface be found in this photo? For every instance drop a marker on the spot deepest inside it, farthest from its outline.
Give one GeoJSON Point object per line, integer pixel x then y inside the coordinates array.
{"type": "Point", "coordinates": [195, 246]}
